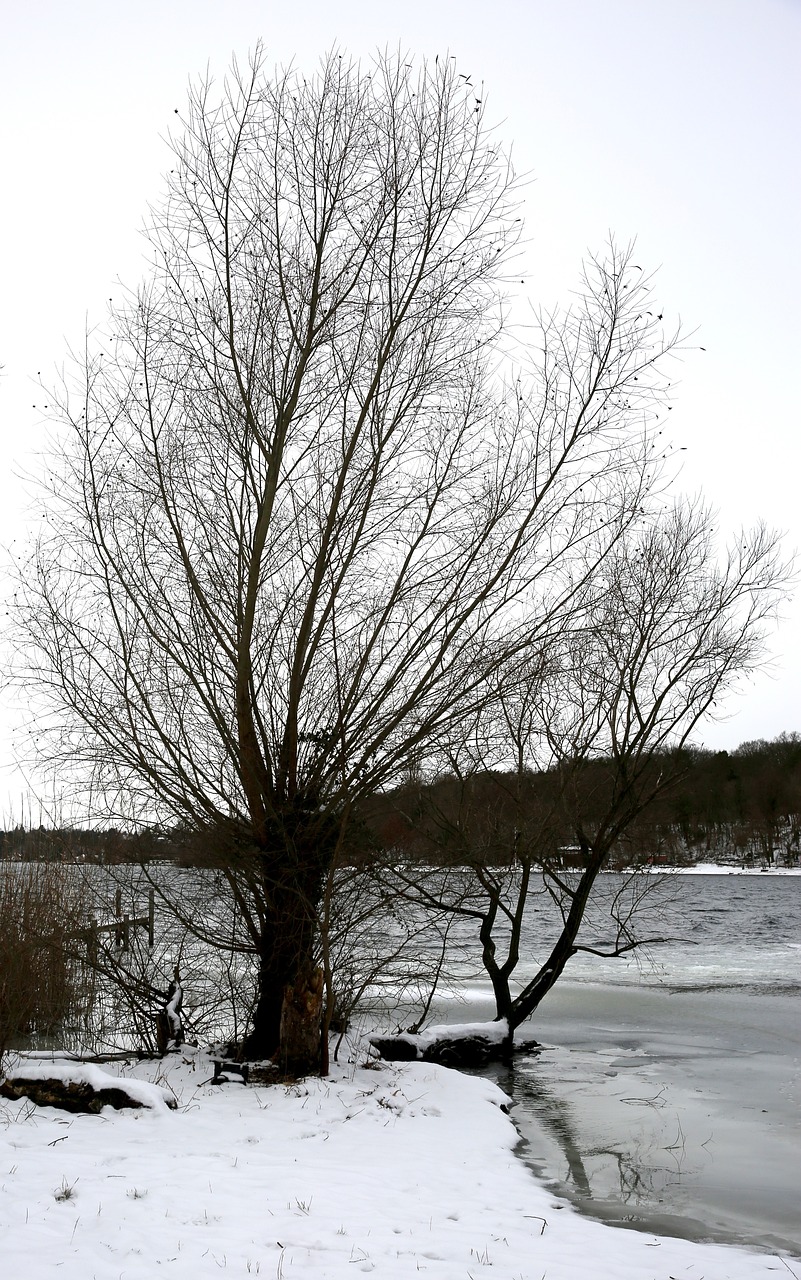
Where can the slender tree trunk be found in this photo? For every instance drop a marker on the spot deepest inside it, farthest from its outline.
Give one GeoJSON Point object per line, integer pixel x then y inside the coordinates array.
{"type": "Point", "coordinates": [536, 990]}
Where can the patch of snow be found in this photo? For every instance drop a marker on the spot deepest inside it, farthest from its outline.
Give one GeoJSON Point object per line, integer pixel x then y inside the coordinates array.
{"type": "Point", "coordinates": [723, 869]}
{"type": "Point", "coordinates": [394, 1169]}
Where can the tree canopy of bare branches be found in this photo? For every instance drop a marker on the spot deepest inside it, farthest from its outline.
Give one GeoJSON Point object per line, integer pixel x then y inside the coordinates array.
{"type": "Point", "coordinates": [582, 737]}
{"type": "Point", "coordinates": [301, 516]}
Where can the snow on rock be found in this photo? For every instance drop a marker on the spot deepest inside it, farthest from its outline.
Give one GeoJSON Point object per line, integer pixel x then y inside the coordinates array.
{"type": "Point", "coordinates": [451, 1044]}
{"type": "Point", "coordinates": [81, 1086]}
{"type": "Point", "coordinates": [395, 1170]}
{"type": "Point", "coordinates": [495, 1032]}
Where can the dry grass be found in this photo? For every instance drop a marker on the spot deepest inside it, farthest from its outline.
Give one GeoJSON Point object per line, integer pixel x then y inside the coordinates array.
{"type": "Point", "coordinates": [39, 971]}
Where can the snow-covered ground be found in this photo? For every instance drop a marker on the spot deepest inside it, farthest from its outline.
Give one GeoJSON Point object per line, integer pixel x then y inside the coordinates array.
{"type": "Point", "coordinates": [393, 1169]}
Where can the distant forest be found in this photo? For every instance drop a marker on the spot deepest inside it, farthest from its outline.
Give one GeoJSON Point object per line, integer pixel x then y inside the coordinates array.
{"type": "Point", "coordinates": [742, 806]}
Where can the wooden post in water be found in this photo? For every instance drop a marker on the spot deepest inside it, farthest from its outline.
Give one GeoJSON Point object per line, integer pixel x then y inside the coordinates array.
{"type": "Point", "coordinates": [150, 917]}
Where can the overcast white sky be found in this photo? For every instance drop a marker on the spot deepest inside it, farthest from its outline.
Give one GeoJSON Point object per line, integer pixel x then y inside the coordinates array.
{"type": "Point", "coordinates": [675, 121]}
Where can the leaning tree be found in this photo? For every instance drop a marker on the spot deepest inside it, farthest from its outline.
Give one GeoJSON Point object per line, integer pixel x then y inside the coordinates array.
{"type": "Point", "coordinates": [539, 790]}
{"type": "Point", "coordinates": [298, 517]}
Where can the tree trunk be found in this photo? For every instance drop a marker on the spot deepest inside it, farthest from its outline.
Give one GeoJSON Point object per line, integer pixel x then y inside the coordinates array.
{"type": "Point", "coordinates": [535, 991]}
{"type": "Point", "coordinates": [286, 1021]}
{"type": "Point", "coordinates": [301, 1018]}
{"type": "Point", "coordinates": [287, 1017]}
{"type": "Point", "coordinates": [265, 1035]}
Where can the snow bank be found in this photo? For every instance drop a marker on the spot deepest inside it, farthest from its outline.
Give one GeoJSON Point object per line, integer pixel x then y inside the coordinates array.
{"type": "Point", "coordinates": [393, 1170]}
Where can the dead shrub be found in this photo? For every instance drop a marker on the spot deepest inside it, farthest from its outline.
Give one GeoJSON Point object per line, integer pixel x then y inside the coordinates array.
{"type": "Point", "coordinates": [40, 972]}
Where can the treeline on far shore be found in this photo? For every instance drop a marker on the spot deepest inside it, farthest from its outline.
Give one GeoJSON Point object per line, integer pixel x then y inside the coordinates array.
{"type": "Point", "coordinates": [741, 806]}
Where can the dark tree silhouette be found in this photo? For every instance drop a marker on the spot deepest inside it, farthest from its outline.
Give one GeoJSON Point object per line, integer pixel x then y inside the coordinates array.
{"type": "Point", "coordinates": [662, 629]}
{"type": "Point", "coordinates": [298, 521]}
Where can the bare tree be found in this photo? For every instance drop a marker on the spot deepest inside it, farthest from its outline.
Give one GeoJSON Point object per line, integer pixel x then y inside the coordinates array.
{"type": "Point", "coordinates": [582, 737]}
{"type": "Point", "coordinates": [296, 518]}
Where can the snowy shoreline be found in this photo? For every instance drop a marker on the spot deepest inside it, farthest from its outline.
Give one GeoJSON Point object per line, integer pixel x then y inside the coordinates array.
{"type": "Point", "coordinates": [722, 869]}
{"type": "Point", "coordinates": [395, 1169]}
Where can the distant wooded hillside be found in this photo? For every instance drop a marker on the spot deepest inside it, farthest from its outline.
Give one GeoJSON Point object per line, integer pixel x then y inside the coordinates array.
{"type": "Point", "coordinates": [740, 806]}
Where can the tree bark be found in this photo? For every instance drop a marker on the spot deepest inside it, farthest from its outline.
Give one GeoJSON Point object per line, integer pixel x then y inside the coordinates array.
{"type": "Point", "coordinates": [301, 1018]}
{"type": "Point", "coordinates": [287, 1018]}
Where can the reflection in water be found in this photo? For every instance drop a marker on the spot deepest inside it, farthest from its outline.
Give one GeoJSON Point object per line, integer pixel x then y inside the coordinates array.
{"type": "Point", "coordinates": [605, 1132]}
{"type": "Point", "coordinates": [639, 1166]}
{"type": "Point", "coordinates": [672, 1100]}
{"type": "Point", "coordinates": [530, 1091]}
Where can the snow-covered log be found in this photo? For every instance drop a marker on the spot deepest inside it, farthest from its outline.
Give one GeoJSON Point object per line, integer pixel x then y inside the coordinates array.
{"type": "Point", "coordinates": [80, 1087]}
{"type": "Point", "coordinates": [468, 1044]}
{"type": "Point", "coordinates": [169, 1026]}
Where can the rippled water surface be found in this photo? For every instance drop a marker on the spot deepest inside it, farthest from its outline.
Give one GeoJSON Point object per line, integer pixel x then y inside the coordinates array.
{"type": "Point", "coordinates": [723, 931]}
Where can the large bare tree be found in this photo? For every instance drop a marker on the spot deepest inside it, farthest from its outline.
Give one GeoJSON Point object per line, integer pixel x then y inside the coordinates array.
{"type": "Point", "coordinates": [297, 514]}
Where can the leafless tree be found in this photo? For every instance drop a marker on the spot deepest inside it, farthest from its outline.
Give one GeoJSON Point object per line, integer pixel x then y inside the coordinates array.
{"type": "Point", "coordinates": [603, 714]}
{"type": "Point", "coordinates": [297, 516]}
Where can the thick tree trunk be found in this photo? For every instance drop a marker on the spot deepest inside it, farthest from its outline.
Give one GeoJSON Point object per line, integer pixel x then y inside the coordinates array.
{"type": "Point", "coordinates": [288, 1013]}
{"type": "Point", "coordinates": [301, 1021]}
{"type": "Point", "coordinates": [286, 1021]}
{"type": "Point", "coordinates": [265, 1034]}
{"type": "Point", "coordinates": [288, 1017]}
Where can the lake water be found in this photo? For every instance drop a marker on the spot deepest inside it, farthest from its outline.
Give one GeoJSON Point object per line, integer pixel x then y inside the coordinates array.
{"type": "Point", "coordinates": [667, 1097]}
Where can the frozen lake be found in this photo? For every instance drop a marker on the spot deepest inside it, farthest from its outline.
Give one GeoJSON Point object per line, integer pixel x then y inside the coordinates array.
{"type": "Point", "coordinates": [672, 1112]}
{"type": "Point", "coordinates": [669, 1098]}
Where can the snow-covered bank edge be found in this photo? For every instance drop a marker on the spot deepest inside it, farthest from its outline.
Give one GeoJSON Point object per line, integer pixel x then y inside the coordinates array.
{"type": "Point", "coordinates": [723, 869]}
{"type": "Point", "coordinates": [395, 1168]}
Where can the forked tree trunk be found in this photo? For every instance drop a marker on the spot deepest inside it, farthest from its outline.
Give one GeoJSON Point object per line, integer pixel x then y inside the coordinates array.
{"type": "Point", "coordinates": [535, 991]}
